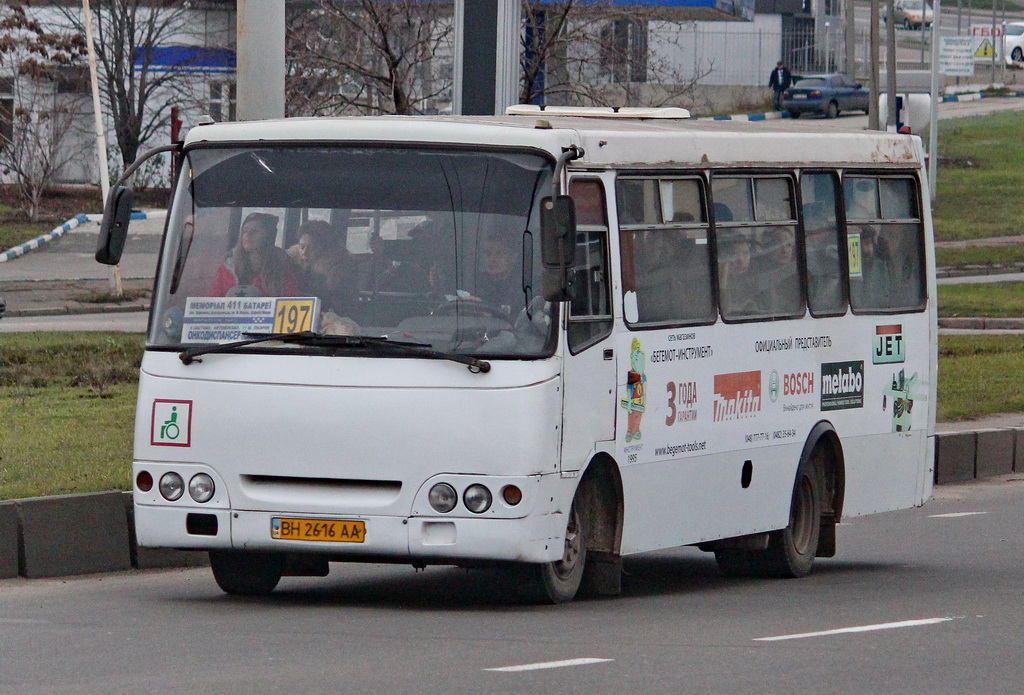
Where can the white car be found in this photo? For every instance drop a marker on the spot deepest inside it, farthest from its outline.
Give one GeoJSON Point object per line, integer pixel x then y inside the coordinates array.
{"type": "Point", "coordinates": [1013, 43]}
{"type": "Point", "coordinates": [912, 14]}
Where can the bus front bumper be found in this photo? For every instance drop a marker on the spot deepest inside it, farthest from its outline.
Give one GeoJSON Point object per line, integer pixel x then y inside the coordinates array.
{"type": "Point", "coordinates": [432, 540]}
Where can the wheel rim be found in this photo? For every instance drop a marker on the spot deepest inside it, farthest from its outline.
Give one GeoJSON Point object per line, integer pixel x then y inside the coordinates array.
{"type": "Point", "coordinates": [573, 547]}
{"type": "Point", "coordinates": [803, 516]}
{"type": "Point", "coordinates": [1017, 55]}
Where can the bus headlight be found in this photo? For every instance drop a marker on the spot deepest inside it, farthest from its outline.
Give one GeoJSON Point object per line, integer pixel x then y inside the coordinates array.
{"type": "Point", "coordinates": [477, 499]}
{"type": "Point", "coordinates": [171, 486]}
{"type": "Point", "coordinates": [201, 487]}
{"type": "Point", "coordinates": [442, 498]}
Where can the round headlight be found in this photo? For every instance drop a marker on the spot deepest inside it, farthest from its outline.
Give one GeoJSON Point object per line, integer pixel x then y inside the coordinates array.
{"type": "Point", "coordinates": [201, 487]}
{"type": "Point", "coordinates": [171, 486]}
{"type": "Point", "coordinates": [442, 498]}
{"type": "Point", "coordinates": [477, 499]}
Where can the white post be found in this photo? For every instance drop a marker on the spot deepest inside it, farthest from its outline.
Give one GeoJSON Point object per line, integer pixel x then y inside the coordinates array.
{"type": "Point", "coordinates": [101, 136]}
{"type": "Point", "coordinates": [933, 126]}
{"type": "Point", "coordinates": [260, 70]}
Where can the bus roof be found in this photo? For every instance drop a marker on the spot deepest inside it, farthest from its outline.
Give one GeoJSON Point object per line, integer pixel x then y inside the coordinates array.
{"type": "Point", "coordinates": [607, 142]}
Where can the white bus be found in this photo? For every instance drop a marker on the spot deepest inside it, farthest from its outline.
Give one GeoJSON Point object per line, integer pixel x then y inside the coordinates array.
{"type": "Point", "coordinates": [547, 340]}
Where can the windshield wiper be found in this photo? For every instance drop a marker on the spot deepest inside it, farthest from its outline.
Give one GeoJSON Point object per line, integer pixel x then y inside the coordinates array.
{"type": "Point", "coordinates": [313, 339]}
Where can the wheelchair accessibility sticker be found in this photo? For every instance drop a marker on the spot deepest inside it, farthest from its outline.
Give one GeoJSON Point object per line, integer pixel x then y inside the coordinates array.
{"type": "Point", "coordinates": [171, 424]}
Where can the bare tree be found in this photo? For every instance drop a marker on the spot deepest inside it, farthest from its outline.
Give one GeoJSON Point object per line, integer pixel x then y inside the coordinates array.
{"type": "Point", "coordinates": [41, 138]}
{"type": "Point", "coordinates": [597, 53]}
{"type": "Point", "coordinates": [136, 90]}
{"type": "Point", "coordinates": [368, 57]}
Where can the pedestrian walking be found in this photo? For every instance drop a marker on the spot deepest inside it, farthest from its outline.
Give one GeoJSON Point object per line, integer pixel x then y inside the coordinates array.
{"type": "Point", "coordinates": [779, 81]}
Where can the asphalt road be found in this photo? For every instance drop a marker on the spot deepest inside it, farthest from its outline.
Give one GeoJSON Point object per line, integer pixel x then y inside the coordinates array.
{"type": "Point", "coordinates": [920, 601]}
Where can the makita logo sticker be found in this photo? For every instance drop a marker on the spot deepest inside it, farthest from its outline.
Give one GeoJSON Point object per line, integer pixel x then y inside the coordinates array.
{"type": "Point", "coordinates": [737, 396]}
{"type": "Point", "coordinates": [842, 385]}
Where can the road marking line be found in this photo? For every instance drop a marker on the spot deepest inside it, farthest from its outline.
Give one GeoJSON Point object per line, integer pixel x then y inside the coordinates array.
{"type": "Point", "coordinates": [22, 621]}
{"type": "Point", "coordinates": [548, 664]}
{"type": "Point", "coordinates": [861, 628]}
{"type": "Point", "coordinates": [952, 515]}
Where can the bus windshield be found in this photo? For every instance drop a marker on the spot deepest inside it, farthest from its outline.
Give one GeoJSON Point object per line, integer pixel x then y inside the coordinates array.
{"type": "Point", "coordinates": [428, 246]}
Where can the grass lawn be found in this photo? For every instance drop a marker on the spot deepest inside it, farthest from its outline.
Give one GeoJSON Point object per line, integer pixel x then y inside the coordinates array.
{"type": "Point", "coordinates": [67, 404]}
{"type": "Point", "coordinates": [83, 445]}
{"type": "Point", "coordinates": [980, 375]}
{"type": "Point", "coordinates": [980, 180]}
{"type": "Point", "coordinates": [990, 299]}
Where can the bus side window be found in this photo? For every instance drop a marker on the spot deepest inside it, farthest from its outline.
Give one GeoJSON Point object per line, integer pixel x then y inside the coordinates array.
{"type": "Point", "coordinates": [590, 313]}
{"type": "Point", "coordinates": [886, 252]}
{"type": "Point", "coordinates": [826, 290]}
{"type": "Point", "coordinates": [758, 259]}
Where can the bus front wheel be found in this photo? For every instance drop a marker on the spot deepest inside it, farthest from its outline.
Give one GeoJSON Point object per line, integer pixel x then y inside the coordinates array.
{"type": "Point", "coordinates": [246, 574]}
{"type": "Point", "coordinates": [559, 581]}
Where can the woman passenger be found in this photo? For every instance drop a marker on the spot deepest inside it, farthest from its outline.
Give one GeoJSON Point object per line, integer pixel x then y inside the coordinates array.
{"type": "Point", "coordinates": [256, 267]}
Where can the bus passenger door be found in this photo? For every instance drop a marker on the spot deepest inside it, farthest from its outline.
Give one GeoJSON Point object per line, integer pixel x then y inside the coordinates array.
{"type": "Point", "coordinates": [588, 374]}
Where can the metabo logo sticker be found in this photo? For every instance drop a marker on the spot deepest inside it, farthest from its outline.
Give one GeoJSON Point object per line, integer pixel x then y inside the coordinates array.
{"type": "Point", "coordinates": [842, 385]}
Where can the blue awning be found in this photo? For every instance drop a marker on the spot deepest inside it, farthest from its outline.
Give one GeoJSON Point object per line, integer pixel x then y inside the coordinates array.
{"type": "Point", "coordinates": [186, 58]}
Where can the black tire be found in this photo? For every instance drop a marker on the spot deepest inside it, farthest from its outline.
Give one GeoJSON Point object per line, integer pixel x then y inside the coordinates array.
{"type": "Point", "coordinates": [246, 574]}
{"type": "Point", "coordinates": [1017, 55]}
{"type": "Point", "coordinates": [907, 25]}
{"type": "Point", "coordinates": [558, 581]}
{"type": "Point", "coordinates": [791, 551]}
{"type": "Point", "coordinates": [831, 110]}
{"type": "Point", "coordinates": [794, 114]}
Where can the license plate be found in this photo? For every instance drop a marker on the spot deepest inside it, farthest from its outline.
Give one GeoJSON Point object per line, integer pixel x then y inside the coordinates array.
{"type": "Point", "coordinates": [331, 530]}
{"type": "Point", "coordinates": [799, 96]}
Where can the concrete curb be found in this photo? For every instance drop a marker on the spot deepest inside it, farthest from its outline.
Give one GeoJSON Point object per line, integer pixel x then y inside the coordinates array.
{"type": "Point", "coordinates": [57, 233]}
{"type": "Point", "coordinates": [85, 534]}
{"type": "Point", "coordinates": [68, 535]}
{"type": "Point", "coordinates": [983, 324]}
{"type": "Point", "coordinates": [61, 230]}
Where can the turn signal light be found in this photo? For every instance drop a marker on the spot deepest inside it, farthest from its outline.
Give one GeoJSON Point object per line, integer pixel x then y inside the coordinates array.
{"type": "Point", "coordinates": [144, 481]}
{"type": "Point", "coordinates": [512, 495]}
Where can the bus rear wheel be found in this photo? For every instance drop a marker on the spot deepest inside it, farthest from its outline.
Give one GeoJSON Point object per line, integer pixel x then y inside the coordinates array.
{"type": "Point", "coordinates": [246, 574]}
{"type": "Point", "coordinates": [558, 581]}
{"type": "Point", "coordinates": [790, 551]}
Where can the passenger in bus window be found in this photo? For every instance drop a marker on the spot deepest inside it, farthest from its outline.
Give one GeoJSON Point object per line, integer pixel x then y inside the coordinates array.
{"type": "Point", "coordinates": [781, 278]}
{"type": "Point", "coordinates": [824, 287]}
{"type": "Point", "coordinates": [876, 271]}
{"type": "Point", "coordinates": [739, 291]}
{"type": "Point", "coordinates": [256, 267]}
{"type": "Point", "coordinates": [500, 281]}
{"type": "Point", "coordinates": [325, 268]}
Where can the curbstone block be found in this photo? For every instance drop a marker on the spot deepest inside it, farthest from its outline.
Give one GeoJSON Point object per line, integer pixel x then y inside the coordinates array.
{"type": "Point", "coordinates": [954, 457]}
{"type": "Point", "coordinates": [74, 534]}
{"type": "Point", "coordinates": [994, 452]}
{"type": "Point", "coordinates": [8, 540]}
{"type": "Point", "coordinates": [1018, 449]}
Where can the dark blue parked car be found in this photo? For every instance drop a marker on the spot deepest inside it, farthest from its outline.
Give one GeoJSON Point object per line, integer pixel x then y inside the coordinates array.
{"type": "Point", "coordinates": [824, 94]}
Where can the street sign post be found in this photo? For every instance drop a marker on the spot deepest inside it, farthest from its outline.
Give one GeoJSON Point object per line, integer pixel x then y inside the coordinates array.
{"type": "Point", "coordinates": [956, 55]}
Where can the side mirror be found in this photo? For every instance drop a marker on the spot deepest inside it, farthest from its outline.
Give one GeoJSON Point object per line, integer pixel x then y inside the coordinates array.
{"type": "Point", "coordinates": [114, 228]}
{"type": "Point", "coordinates": [558, 245]}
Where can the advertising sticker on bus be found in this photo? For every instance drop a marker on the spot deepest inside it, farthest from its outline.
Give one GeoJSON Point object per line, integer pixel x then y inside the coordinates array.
{"type": "Point", "coordinates": [636, 399]}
